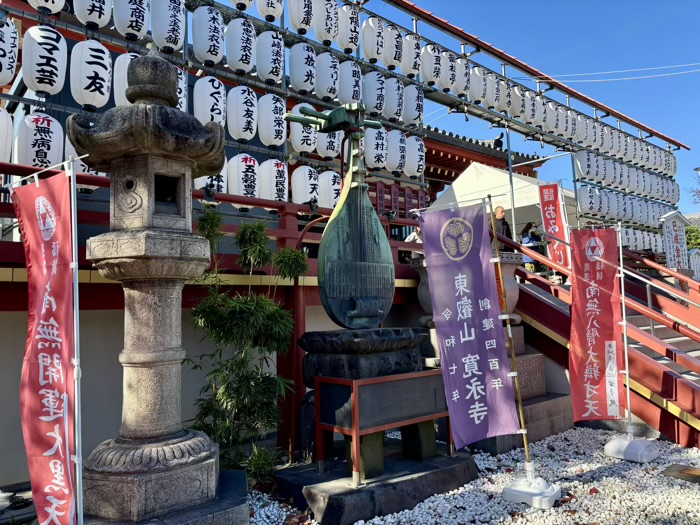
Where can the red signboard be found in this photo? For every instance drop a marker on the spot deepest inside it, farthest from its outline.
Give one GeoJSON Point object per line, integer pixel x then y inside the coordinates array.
{"type": "Point", "coordinates": [46, 392]}
{"type": "Point", "coordinates": [422, 199]}
{"type": "Point", "coordinates": [407, 201]}
{"type": "Point", "coordinates": [395, 199]}
{"type": "Point", "coordinates": [381, 193]}
{"type": "Point", "coordinates": [596, 355]}
{"type": "Point", "coordinates": [555, 224]}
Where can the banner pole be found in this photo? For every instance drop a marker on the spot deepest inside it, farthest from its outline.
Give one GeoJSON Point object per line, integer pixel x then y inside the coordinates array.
{"type": "Point", "coordinates": [630, 430]}
{"type": "Point", "coordinates": [78, 457]}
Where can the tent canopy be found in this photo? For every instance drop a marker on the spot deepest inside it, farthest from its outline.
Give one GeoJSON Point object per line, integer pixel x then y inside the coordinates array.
{"type": "Point", "coordinates": [479, 181]}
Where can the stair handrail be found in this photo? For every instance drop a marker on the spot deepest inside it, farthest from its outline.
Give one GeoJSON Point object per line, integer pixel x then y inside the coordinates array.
{"type": "Point", "coordinates": [692, 283]}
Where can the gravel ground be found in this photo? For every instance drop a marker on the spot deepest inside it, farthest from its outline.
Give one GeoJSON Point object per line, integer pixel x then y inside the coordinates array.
{"type": "Point", "coordinates": [596, 490]}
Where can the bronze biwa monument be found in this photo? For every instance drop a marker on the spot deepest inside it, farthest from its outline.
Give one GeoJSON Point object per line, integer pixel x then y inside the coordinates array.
{"type": "Point", "coordinates": [155, 467]}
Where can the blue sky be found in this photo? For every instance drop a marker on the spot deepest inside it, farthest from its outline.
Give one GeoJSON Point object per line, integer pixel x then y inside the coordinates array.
{"type": "Point", "coordinates": [562, 37]}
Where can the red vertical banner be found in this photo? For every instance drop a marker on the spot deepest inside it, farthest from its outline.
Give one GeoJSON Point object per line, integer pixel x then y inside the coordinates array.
{"type": "Point", "coordinates": [395, 199]}
{"type": "Point", "coordinates": [555, 223]}
{"type": "Point", "coordinates": [46, 392]}
{"type": "Point", "coordinates": [596, 355]}
{"type": "Point", "coordinates": [381, 195]}
{"type": "Point", "coordinates": [422, 199]}
{"type": "Point", "coordinates": [407, 201]}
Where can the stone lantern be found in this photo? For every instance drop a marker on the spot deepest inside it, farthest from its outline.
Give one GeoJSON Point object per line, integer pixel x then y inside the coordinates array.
{"type": "Point", "coordinates": [153, 151]}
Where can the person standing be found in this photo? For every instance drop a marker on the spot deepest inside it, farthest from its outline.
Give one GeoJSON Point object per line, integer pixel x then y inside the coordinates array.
{"type": "Point", "coordinates": [532, 240]}
{"type": "Point", "coordinates": [503, 228]}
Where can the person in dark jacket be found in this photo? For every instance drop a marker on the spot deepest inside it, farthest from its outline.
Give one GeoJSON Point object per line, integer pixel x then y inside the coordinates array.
{"type": "Point", "coordinates": [503, 228]}
{"type": "Point", "coordinates": [532, 240]}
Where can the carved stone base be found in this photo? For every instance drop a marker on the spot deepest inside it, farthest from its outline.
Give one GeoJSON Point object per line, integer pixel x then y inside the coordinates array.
{"type": "Point", "coordinates": [126, 480]}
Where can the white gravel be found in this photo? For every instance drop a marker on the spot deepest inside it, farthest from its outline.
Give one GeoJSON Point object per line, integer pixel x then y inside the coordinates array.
{"type": "Point", "coordinates": [596, 489]}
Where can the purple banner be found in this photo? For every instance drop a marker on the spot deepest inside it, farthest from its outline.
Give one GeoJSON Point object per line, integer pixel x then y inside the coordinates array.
{"type": "Point", "coordinates": [475, 365]}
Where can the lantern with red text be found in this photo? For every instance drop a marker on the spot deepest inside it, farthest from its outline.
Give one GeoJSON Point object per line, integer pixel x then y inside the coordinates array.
{"type": "Point", "coordinates": [39, 141]}
{"type": "Point", "coordinates": [93, 14]}
{"type": "Point", "coordinates": [9, 45]}
{"type": "Point", "coordinates": [240, 46]}
{"type": "Point", "coordinates": [90, 74]}
{"type": "Point", "coordinates": [396, 154]}
{"type": "Point", "coordinates": [208, 35]}
{"type": "Point", "coordinates": [274, 180]}
{"type": "Point", "coordinates": [301, 15]}
{"type": "Point", "coordinates": [272, 128]}
{"type": "Point", "coordinates": [271, 10]}
{"type": "Point", "coordinates": [209, 100]}
{"type": "Point", "coordinates": [349, 83]}
{"type": "Point", "coordinates": [415, 157]}
{"type": "Point", "coordinates": [44, 60]}
{"type": "Point", "coordinates": [270, 57]}
{"type": "Point", "coordinates": [305, 186]}
{"type": "Point", "coordinates": [242, 113]}
{"type": "Point", "coordinates": [243, 179]}
{"type": "Point", "coordinates": [132, 18]}
{"type": "Point", "coordinates": [348, 28]}
{"type": "Point", "coordinates": [373, 39]}
{"type": "Point", "coordinates": [327, 76]}
{"type": "Point", "coordinates": [168, 22]}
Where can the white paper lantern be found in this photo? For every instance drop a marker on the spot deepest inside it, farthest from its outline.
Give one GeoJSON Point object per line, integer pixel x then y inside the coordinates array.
{"type": "Point", "coordinates": [393, 47]}
{"type": "Point", "coordinates": [328, 189]}
{"type": "Point", "coordinates": [90, 74]}
{"type": "Point", "coordinates": [303, 137]}
{"type": "Point", "coordinates": [119, 72]}
{"type": "Point", "coordinates": [584, 164]}
{"type": "Point", "coordinates": [305, 185]}
{"type": "Point", "coordinates": [594, 128]}
{"type": "Point", "coordinates": [44, 60]}
{"type": "Point", "coordinates": [80, 166]}
{"type": "Point", "coordinates": [488, 98]}
{"type": "Point", "coordinates": [541, 105]}
{"type": "Point", "coordinates": [241, 46]}
{"type": "Point", "coordinates": [448, 71]}
{"type": "Point", "coordinates": [350, 83]}
{"type": "Point", "coordinates": [530, 116]}
{"type": "Point", "coordinates": [349, 28]}
{"type": "Point", "coordinates": [608, 175]}
{"type": "Point", "coordinates": [394, 99]}
{"type": "Point", "coordinates": [242, 5]}
{"type": "Point", "coordinates": [302, 68]}
{"type": "Point", "coordinates": [504, 97]}
{"type": "Point", "coordinates": [271, 10]}
{"type": "Point", "coordinates": [551, 121]}
{"type": "Point", "coordinates": [132, 18]}
{"type": "Point", "coordinates": [6, 132]}
{"type": "Point", "coordinates": [209, 100]}
{"type": "Point", "coordinates": [628, 208]}
{"type": "Point", "coordinates": [38, 141]}
{"type": "Point", "coordinates": [431, 64]}
{"type": "Point", "coordinates": [327, 76]}
{"type": "Point", "coordinates": [93, 14]}
{"type": "Point", "coordinates": [580, 128]}
{"type": "Point", "coordinates": [272, 128]}
{"type": "Point", "coordinates": [413, 105]}
{"type": "Point", "coordinates": [328, 145]}
{"type": "Point", "coordinates": [217, 183]}
{"type": "Point", "coordinates": [572, 125]}
{"type": "Point", "coordinates": [270, 57]}
{"type": "Point", "coordinates": [208, 35]}
{"type": "Point", "coordinates": [374, 93]}
{"type": "Point", "coordinates": [9, 45]}
{"type": "Point", "coordinates": [274, 180]}
{"type": "Point", "coordinates": [243, 178]}
{"type": "Point", "coordinates": [325, 21]}
{"type": "Point", "coordinates": [396, 155]}
{"type": "Point", "coordinates": [301, 15]}
{"type": "Point", "coordinates": [611, 210]}
{"type": "Point", "coordinates": [182, 89]}
{"type": "Point", "coordinates": [518, 105]}
{"type": "Point", "coordinates": [588, 200]}
{"type": "Point", "coordinates": [242, 113]}
{"type": "Point", "coordinates": [477, 84]}
{"type": "Point", "coordinates": [168, 22]}
{"type": "Point", "coordinates": [411, 56]}
{"type": "Point", "coordinates": [47, 6]}
{"type": "Point", "coordinates": [461, 87]}
{"type": "Point", "coordinates": [373, 39]}
{"type": "Point", "coordinates": [415, 157]}
{"type": "Point", "coordinates": [376, 148]}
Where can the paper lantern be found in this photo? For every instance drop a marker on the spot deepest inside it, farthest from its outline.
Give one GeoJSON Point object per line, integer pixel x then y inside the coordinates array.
{"type": "Point", "coordinates": [328, 144]}
{"type": "Point", "coordinates": [90, 74]}
{"type": "Point", "coordinates": [461, 87]}
{"type": "Point", "coordinates": [302, 68]}
{"type": "Point", "coordinates": [376, 148]}
{"type": "Point", "coordinates": [80, 166]}
{"type": "Point", "coordinates": [6, 132]}
{"type": "Point", "coordinates": [563, 118]}
{"type": "Point", "coordinates": [579, 128]}
{"type": "Point", "coordinates": [241, 46]}
{"type": "Point", "coordinates": [594, 127]}
{"type": "Point", "coordinates": [349, 83]}
{"type": "Point", "coordinates": [168, 22]}
{"type": "Point", "coordinates": [270, 57]}
{"type": "Point", "coordinates": [38, 141]}
{"type": "Point", "coordinates": [325, 21]}
{"type": "Point", "coordinates": [44, 60]}
{"type": "Point", "coordinates": [431, 64]}
{"type": "Point", "coordinates": [610, 210]}
{"type": "Point", "coordinates": [374, 93]}
{"type": "Point", "coordinates": [301, 15]}
{"type": "Point", "coordinates": [119, 73]}
{"type": "Point", "coordinates": [9, 44]}
{"type": "Point", "coordinates": [623, 176]}
{"type": "Point", "coordinates": [182, 89]}
{"type": "Point", "coordinates": [614, 143]}
{"type": "Point", "coordinates": [551, 121]}
{"type": "Point", "coordinates": [209, 100]}
{"type": "Point", "coordinates": [411, 56]}
{"type": "Point", "coordinates": [531, 113]}
{"type": "Point", "coordinates": [608, 175]}
{"type": "Point", "coordinates": [217, 183]}
{"type": "Point", "coordinates": [242, 5]}
{"type": "Point", "coordinates": [628, 206]}
{"type": "Point", "coordinates": [327, 76]}
{"type": "Point", "coordinates": [47, 7]}
{"type": "Point", "coordinates": [541, 116]}
{"type": "Point", "coordinates": [328, 189]}
{"type": "Point", "coordinates": [589, 201]}
{"type": "Point", "coordinates": [571, 116]}
{"type": "Point", "coordinates": [606, 143]}
{"type": "Point", "coordinates": [274, 180]}
{"type": "Point", "coordinates": [373, 39]}
{"type": "Point", "coordinates": [243, 178]}
{"type": "Point", "coordinates": [448, 71]}
{"type": "Point", "coordinates": [349, 28]}
{"type": "Point", "coordinates": [305, 185]}
{"type": "Point", "coordinates": [477, 84]}
{"type": "Point", "coordinates": [302, 136]}
{"type": "Point", "coordinates": [394, 99]}
{"type": "Point", "coordinates": [132, 17]}
{"type": "Point", "coordinates": [504, 97]}
{"type": "Point", "coordinates": [94, 14]}
{"type": "Point", "coordinates": [396, 154]}
{"type": "Point", "coordinates": [415, 157]}
{"type": "Point", "coordinates": [413, 105]}
{"type": "Point", "coordinates": [242, 113]}
{"type": "Point", "coordinates": [488, 96]}
{"type": "Point", "coordinates": [518, 106]}
{"type": "Point", "coordinates": [272, 128]}
{"type": "Point", "coordinates": [208, 35]}
{"type": "Point", "coordinates": [393, 47]}
{"type": "Point", "coordinates": [584, 165]}
{"type": "Point", "coordinates": [271, 10]}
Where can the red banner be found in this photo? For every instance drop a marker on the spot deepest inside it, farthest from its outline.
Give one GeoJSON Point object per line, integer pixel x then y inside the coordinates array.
{"type": "Point", "coordinates": [596, 355]}
{"type": "Point", "coordinates": [407, 201]}
{"type": "Point", "coordinates": [381, 195]}
{"type": "Point", "coordinates": [422, 199]}
{"type": "Point", "coordinates": [46, 392]}
{"type": "Point", "coordinates": [555, 223]}
{"type": "Point", "coordinates": [395, 199]}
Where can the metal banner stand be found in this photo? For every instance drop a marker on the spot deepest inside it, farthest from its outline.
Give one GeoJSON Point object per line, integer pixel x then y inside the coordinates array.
{"type": "Point", "coordinates": [531, 489]}
{"type": "Point", "coordinates": [627, 447]}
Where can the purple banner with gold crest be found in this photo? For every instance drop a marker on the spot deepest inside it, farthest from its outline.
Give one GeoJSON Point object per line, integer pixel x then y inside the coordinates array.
{"type": "Point", "coordinates": [466, 310]}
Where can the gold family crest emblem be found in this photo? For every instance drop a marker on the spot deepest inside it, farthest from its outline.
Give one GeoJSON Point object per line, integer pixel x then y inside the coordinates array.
{"type": "Point", "coordinates": [456, 238]}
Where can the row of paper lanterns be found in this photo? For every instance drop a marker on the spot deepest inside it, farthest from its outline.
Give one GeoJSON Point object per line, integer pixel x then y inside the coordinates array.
{"type": "Point", "coordinates": [607, 172]}
{"type": "Point", "coordinates": [612, 205]}
{"type": "Point", "coordinates": [642, 240]}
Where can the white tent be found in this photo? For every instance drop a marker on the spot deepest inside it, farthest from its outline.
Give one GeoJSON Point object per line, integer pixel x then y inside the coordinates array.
{"type": "Point", "coordinates": [478, 181]}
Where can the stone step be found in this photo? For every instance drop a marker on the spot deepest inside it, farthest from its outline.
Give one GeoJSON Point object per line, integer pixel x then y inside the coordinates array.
{"type": "Point", "coordinates": [660, 331]}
